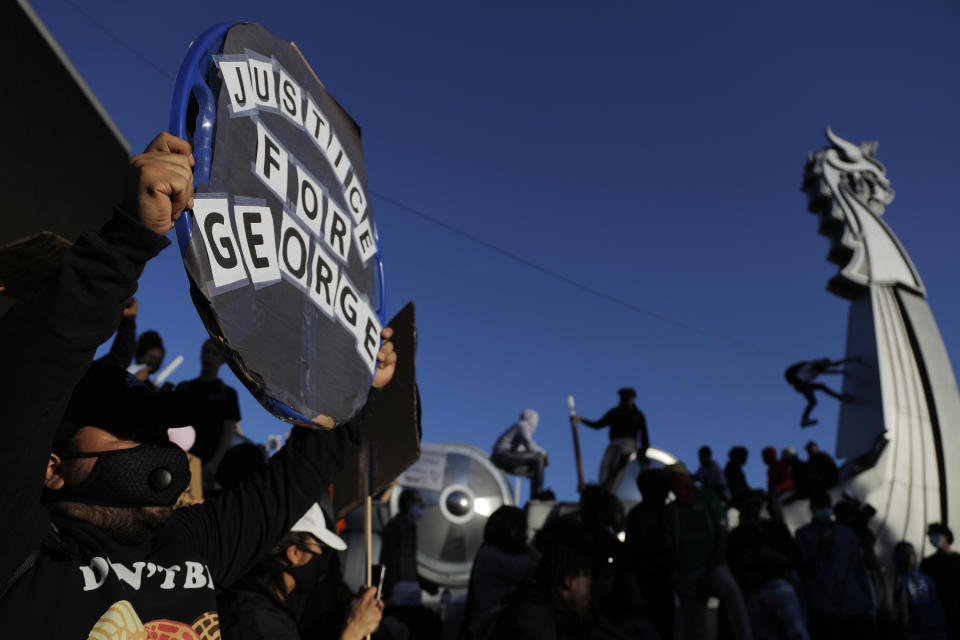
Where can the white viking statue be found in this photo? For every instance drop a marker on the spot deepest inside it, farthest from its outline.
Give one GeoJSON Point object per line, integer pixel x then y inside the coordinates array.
{"type": "Point", "coordinates": [900, 432]}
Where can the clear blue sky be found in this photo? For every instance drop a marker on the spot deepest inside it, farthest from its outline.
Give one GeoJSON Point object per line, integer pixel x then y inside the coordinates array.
{"type": "Point", "coordinates": [652, 151]}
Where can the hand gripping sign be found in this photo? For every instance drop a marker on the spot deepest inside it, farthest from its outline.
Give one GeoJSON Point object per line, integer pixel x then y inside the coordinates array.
{"type": "Point", "coordinates": [281, 247]}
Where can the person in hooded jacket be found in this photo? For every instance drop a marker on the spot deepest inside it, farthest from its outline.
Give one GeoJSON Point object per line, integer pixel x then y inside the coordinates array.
{"type": "Point", "coordinates": [503, 562]}
{"type": "Point", "coordinates": [259, 605]}
{"type": "Point", "coordinates": [838, 589]}
{"type": "Point", "coordinates": [515, 451]}
{"type": "Point", "coordinates": [925, 619]}
{"type": "Point", "coordinates": [91, 543]}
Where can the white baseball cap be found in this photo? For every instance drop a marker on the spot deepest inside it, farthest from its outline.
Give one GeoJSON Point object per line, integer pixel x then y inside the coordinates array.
{"type": "Point", "coordinates": [314, 523]}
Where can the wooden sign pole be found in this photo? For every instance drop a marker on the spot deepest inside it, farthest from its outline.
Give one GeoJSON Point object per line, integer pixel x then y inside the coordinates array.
{"type": "Point", "coordinates": [576, 442]}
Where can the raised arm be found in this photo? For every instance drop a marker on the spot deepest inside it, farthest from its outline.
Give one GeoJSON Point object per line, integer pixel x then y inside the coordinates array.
{"type": "Point", "coordinates": [124, 343]}
{"type": "Point", "coordinates": [597, 424]}
{"type": "Point", "coordinates": [48, 339]}
{"type": "Point", "coordinates": [644, 434]}
{"type": "Point", "coordinates": [232, 531]}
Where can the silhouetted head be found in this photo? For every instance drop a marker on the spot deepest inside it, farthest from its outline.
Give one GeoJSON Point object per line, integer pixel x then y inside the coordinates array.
{"type": "Point", "coordinates": [939, 534]}
{"type": "Point", "coordinates": [150, 351]}
{"type": "Point", "coordinates": [738, 455]}
{"type": "Point", "coordinates": [600, 507]}
{"type": "Point", "coordinates": [566, 573]}
{"type": "Point", "coordinates": [812, 448]}
{"type": "Point", "coordinates": [531, 417]}
{"type": "Point", "coordinates": [821, 507]}
{"type": "Point", "coordinates": [820, 499]}
{"type": "Point", "coordinates": [904, 557]}
{"type": "Point", "coordinates": [411, 502]}
{"type": "Point", "coordinates": [240, 463]}
{"type": "Point", "coordinates": [506, 529]}
{"type": "Point", "coordinates": [678, 479]}
{"type": "Point", "coordinates": [750, 506]}
{"type": "Point", "coordinates": [627, 397]}
{"type": "Point", "coordinates": [769, 454]}
{"type": "Point", "coordinates": [653, 486]}
{"type": "Point", "coordinates": [301, 560]}
{"type": "Point", "coordinates": [210, 357]}
{"type": "Point", "coordinates": [704, 454]}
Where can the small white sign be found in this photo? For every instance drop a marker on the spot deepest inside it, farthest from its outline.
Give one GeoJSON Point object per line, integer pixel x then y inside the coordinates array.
{"type": "Point", "coordinates": [428, 471]}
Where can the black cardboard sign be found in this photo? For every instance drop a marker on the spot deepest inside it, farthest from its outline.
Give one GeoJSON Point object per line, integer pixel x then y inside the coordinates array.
{"type": "Point", "coordinates": [391, 440]}
{"type": "Point", "coordinates": [283, 255]}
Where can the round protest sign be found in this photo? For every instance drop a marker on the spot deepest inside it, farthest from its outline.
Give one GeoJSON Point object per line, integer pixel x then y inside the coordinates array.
{"type": "Point", "coordinates": [281, 246]}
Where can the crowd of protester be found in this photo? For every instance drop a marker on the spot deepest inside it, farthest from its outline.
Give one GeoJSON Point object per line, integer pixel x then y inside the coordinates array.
{"type": "Point", "coordinates": [603, 573]}
{"type": "Point", "coordinates": [579, 579]}
{"type": "Point", "coordinates": [93, 546]}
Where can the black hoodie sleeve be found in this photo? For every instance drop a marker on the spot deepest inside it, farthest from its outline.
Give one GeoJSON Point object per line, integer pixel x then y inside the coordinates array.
{"type": "Point", "coordinates": [47, 341]}
{"type": "Point", "coordinates": [233, 530]}
{"type": "Point", "coordinates": [124, 343]}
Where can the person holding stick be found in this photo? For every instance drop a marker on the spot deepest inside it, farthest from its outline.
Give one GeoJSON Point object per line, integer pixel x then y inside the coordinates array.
{"type": "Point", "coordinates": [258, 606]}
{"type": "Point", "coordinates": [626, 422]}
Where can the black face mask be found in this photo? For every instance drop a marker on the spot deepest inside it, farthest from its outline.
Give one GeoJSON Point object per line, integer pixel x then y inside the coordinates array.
{"type": "Point", "coordinates": [148, 475]}
{"type": "Point", "coordinates": [310, 575]}
{"type": "Point", "coordinates": [153, 364]}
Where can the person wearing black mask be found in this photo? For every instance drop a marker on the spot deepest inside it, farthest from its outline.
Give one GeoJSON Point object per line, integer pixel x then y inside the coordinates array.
{"type": "Point", "coordinates": [943, 566]}
{"type": "Point", "coordinates": [259, 605]}
{"type": "Point", "coordinates": [402, 585]}
{"type": "Point", "coordinates": [399, 552]}
{"type": "Point", "coordinates": [91, 544]}
{"type": "Point", "coordinates": [148, 357]}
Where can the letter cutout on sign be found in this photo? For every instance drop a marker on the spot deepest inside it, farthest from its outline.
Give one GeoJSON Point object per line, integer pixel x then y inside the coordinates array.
{"type": "Point", "coordinates": [366, 246]}
{"type": "Point", "coordinates": [324, 278]}
{"type": "Point", "coordinates": [294, 252]}
{"type": "Point", "coordinates": [317, 125]}
{"type": "Point", "coordinates": [356, 199]}
{"type": "Point", "coordinates": [369, 339]}
{"type": "Point", "coordinates": [271, 164]}
{"type": "Point", "coordinates": [255, 227]}
{"type": "Point", "coordinates": [338, 158]}
{"type": "Point", "coordinates": [213, 220]}
{"type": "Point", "coordinates": [264, 88]}
{"type": "Point", "coordinates": [337, 231]}
{"type": "Point", "coordinates": [291, 97]}
{"type": "Point", "coordinates": [236, 77]}
{"type": "Point", "coordinates": [310, 201]}
{"type": "Point", "coordinates": [347, 305]}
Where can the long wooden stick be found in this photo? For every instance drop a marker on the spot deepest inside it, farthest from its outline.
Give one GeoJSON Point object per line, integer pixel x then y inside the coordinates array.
{"type": "Point", "coordinates": [576, 442]}
{"type": "Point", "coordinates": [366, 465]}
{"type": "Point", "coordinates": [368, 537]}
